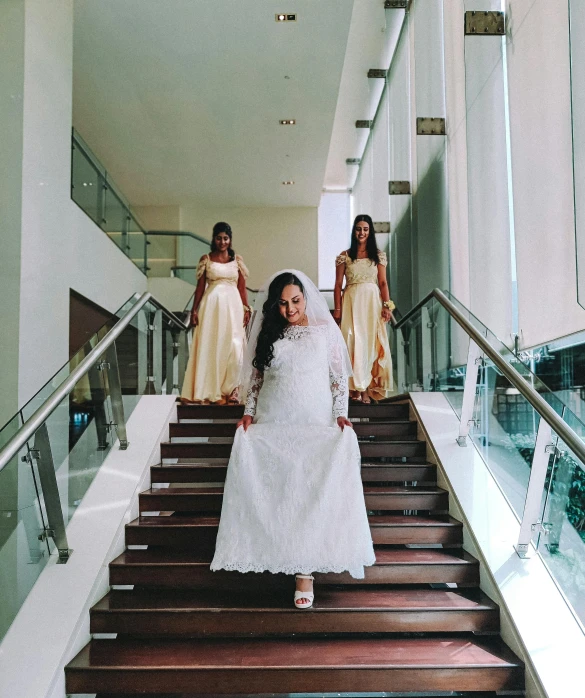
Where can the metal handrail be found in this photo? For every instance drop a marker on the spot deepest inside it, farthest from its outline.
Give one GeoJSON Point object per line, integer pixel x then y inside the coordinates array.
{"type": "Point", "coordinates": [40, 416]}
{"type": "Point", "coordinates": [561, 428]}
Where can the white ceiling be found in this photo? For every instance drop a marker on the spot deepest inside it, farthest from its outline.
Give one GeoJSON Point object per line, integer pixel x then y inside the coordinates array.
{"type": "Point", "coordinates": [180, 99]}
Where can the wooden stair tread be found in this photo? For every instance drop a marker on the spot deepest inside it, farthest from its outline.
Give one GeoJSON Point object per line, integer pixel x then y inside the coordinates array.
{"type": "Point", "coordinates": [384, 556]}
{"type": "Point", "coordinates": [381, 520]}
{"type": "Point", "coordinates": [466, 694]}
{"type": "Point", "coordinates": [349, 653]}
{"type": "Point", "coordinates": [368, 489]}
{"type": "Point", "coordinates": [342, 600]}
{"type": "Point", "coordinates": [387, 410]}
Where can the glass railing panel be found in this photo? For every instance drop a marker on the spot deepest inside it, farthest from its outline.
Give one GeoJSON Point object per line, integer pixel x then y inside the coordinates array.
{"type": "Point", "coordinates": [86, 185]}
{"type": "Point", "coordinates": [116, 219]}
{"type": "Point", "coordinates": [81, 437]}
{"type": "Point", "coordinates": [43, 491]}
{"type": "Point", "coordinates": [23, 550]}
{"type": "Point", "coordinates": [44, 393]}
{"type": "Point", "coordinates": [136, 247]}
{"type": "Point", "coordinates": [504, 431]}
{"type": "Point", "coordinates": [561, 542]}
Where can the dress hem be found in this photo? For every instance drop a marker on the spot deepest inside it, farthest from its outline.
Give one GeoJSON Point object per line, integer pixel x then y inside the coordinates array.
{"type": "Point", "coordinates": [356, 570]}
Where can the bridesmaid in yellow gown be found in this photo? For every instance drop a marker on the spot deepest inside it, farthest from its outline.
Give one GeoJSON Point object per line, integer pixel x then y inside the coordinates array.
{"type": "Point", "coordinates": [363, 312]}
{"type": "Point", "coordinates": [220, 314]}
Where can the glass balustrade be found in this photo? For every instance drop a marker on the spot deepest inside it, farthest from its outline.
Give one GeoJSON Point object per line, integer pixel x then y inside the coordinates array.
{"type": "Point", "coordinates": [433, 354]}
{"type": "Point", "coordinates": [43, 484]}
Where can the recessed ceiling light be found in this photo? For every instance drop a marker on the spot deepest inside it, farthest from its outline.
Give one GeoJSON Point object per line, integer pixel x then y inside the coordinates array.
{"type": "Point", "coordinates": [289, 182]}
{"type": "Point", "coordinates": [282, 17]}
{"type": "Point", "coordinates": [288, 122]}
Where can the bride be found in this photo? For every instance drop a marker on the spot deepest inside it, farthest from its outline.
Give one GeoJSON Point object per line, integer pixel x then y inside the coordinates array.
{"type": "Point", "coordinates": [293, 498]}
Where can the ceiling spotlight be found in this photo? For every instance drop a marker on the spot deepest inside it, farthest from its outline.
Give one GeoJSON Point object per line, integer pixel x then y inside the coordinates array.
{"type": "Point", "coordinates": [288, 122]}
{"type": "Point", "coordinates": [288, 182]}
{"type": "Point", "coordinates": [281, 17]}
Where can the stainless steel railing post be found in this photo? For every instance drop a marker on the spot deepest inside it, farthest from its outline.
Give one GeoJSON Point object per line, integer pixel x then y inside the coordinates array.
{"type": "Point", "coordinates": [98, 396]}
{"type": "Point", "coordinates": [156, 330]}
{"type": "Point", "coordinates": [427, 348]}
{"type": "Point", "coordinates": [115, 389]}
{"type": "Point", "coordinates": [183, 358]}
{"type": "Point", "coordinates": [48, 479]}
{"type": "Point", "coordinates": [469, 392]}
{"type": "Point", "coordinates": [169, 360]}
{"type": "Point", "coordinates": [530, 521]}
{"type": "Point", "coordinates": [400, 361]}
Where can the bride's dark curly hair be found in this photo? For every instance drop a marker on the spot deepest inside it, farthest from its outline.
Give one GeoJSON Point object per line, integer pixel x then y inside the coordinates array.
{"type": "Point", "coordinates": [273, 323]}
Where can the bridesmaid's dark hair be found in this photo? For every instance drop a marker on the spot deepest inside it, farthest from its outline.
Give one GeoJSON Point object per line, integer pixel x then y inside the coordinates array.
{"type": "Point", "coordinates": [226, 228]}
{"type": "Point", "coordinates": [371, 246]}
{"type": "Point", "coordinates": [273, 324]}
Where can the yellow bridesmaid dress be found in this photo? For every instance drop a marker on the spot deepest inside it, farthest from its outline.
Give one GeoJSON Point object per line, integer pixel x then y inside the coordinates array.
{"type": "Point", "coordinates": [217, 349]}
{"type": "Point", "coordinates": [363, 329]}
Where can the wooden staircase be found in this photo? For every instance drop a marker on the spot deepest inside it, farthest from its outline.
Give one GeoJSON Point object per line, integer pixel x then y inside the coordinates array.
{"type": "Point", "coordinates": [417, 623]}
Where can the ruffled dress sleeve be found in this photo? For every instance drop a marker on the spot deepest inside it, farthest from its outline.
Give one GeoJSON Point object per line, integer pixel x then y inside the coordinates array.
{"type": "Point", "coordinates": [341, 259]}
{"type": "Point", "coordinates": [383, 258]}
{"type": "Point", "coordinates": [253, 392]}
{"type": "Point", "coordinates": [243, 269]}
{"type": "Point", "coordinates": [202, 266]}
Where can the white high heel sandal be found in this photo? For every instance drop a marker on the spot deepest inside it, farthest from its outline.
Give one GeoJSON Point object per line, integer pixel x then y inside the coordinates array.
{"type": "Point", "coordinates": [304, 594]}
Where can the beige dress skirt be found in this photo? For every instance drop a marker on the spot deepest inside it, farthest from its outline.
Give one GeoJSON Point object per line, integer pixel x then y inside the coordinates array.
{"type": "Point", "coordinates": [217, 349]}
{"type": "Point", "coordinates": [367, 340]}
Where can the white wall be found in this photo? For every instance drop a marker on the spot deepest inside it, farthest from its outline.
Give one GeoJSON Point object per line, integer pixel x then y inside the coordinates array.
{"type": "Point", "coordinates": [11, 81]}
{"type": "Point", "coordinates": [61, 247]}
{"type": "Point", "coordinates": [269, 239]}
{"type": "Point", "coordinates": [334, 234]}
{"type": "Point", "coordinates": [540, 120]}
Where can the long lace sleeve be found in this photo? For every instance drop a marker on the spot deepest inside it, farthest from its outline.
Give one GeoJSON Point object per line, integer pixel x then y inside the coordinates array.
{"type": "Point", "coordinates": [338, 384]}
{"type": "Point", "coordinates": [253, 392]}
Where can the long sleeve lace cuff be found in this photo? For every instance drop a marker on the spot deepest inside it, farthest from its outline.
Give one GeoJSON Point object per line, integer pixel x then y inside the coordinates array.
{"type": "Point", "coordinates": [253, 392]}
{"type": "Point", "coordinates": [340, 394]}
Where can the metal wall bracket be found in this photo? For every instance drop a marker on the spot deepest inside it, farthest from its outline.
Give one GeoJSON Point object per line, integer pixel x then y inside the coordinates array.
{"type": "Point", "coordinates": [396, 187]}
{"type": "Point", "coordinates": [381, 226]}
{"type": "Point", "coordinates": [485, 23]}
{"type": "Point", "coordinates": [103, 366]}
{"type": "Point", "coordinates": [353, 161]}
{"type": "Point", "coordinates": [542, 527]}
{"type": "Point", "coordinates": [555, 451]}
{"type": "Point", "coordinates": [431, 126]}
{"type": "Point", "coordinates": [395, 4]}
{"type": "Point", "coordinates": [364, 123]}
{"type": "Point", "coordinates": [377, 73]}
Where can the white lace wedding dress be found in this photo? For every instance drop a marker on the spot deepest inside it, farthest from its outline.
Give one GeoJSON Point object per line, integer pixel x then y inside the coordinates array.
{"type": "Point", "coordinates": [293, 498]}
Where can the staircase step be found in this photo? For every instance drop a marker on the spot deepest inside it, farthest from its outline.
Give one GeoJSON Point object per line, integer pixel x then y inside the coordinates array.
{"type": "Point", "coordinates": [377, 499]}
{"type": "Point", "coordinates": [382, 411]}
{"type": "Point", "coordinates": [459, 694]}
{"type": "Point", "coordinates": [371, 472]}
{"type": "Point", "coordinates": [200, 531]}
{"type": "Point", "coordinates": [177, 568]}
{"type": "Point", "coordinates": [388, 449]}
{"type": "Point", "coordinates": [359, 610]}
{"type": "Point", "coordinates": [285, 666]}
{"type": "Point", "coordinates": [395, 429]}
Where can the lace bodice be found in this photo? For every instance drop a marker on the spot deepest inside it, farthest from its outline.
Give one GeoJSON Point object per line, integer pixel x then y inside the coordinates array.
{"type": "Point", "coordinates": [223, 273]}
{"type": "Point", "coordinates": [361, 271]}
{"type": "Point", "coordinates": [295, 381]}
